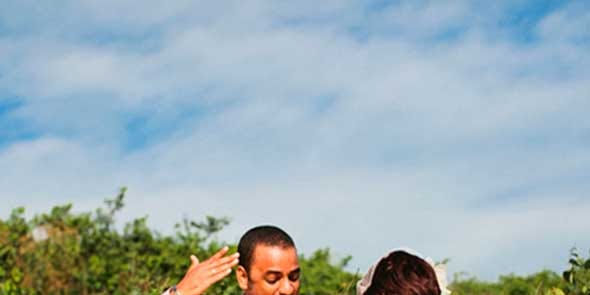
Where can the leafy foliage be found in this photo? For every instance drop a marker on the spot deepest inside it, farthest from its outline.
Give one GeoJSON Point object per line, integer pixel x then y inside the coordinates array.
{"type": "Point", "coordinates": [321, 277]}
{"type": "Point", "coordinates": [578, 275]}
{"type": "Point", "coordinates": [65, 253]}
{"type": "Point", "coordinates": [539, 283]}
{"type": "Point", "coordinates": [575, 281]}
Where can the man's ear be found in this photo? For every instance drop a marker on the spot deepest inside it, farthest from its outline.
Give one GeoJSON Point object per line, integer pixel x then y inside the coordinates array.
{"type": "Point", "coordinates": [242, 277]}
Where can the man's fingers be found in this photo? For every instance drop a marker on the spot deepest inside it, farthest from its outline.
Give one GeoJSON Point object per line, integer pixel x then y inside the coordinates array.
{"type": "Point", "coordinates": [214, 269]}
{"type": "Point", "coordinates": [217, 255]}
{"type": "Point", "coordinates": [228, 265]}
{"type": "Point", "coordinates": [217, 276]}
{"type": "Point", "coordinates": [212, 277]}
{"type": "Point", "coordinates": [221, 252]}
{"type": "Point", "coordinates": [222, 268]}
{"type": "Point", "coordinates": [224, 260]}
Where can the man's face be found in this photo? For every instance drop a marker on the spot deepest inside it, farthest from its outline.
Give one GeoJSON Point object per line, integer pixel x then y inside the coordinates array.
{"type": "Point", "coordinates": [274, 271]}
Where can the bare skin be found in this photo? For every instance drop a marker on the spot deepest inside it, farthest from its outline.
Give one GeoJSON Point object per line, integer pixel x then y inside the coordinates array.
{"type": "Point", "coordinates": [200, 276]}
{"type": "Point", "coordinates": [274, 271]}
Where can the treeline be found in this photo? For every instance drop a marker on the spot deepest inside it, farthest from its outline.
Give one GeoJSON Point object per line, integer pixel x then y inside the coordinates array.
{"type": "Point", "coordinates": [65, 253]}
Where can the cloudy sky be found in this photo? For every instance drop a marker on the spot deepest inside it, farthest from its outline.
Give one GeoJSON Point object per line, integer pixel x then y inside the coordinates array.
{"type": "Point", "coordinates": [457, 128]}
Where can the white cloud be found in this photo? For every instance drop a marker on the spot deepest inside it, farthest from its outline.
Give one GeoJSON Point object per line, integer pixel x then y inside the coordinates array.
{"type": "Point", "coordinates": [49, 171]}
{"type": "Point", "coordinates": [383, 142]}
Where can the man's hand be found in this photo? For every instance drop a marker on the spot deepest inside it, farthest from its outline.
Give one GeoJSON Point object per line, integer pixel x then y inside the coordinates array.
{"type": "Point", "coordinates": [201, 276]}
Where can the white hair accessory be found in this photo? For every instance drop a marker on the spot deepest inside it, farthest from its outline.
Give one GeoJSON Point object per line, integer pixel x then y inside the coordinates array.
{"type": "Point", "coordinates": [439, 270]}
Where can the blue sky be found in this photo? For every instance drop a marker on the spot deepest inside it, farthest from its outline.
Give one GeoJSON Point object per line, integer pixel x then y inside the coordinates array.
{"type": "Point", "coordinates": [457, 128]}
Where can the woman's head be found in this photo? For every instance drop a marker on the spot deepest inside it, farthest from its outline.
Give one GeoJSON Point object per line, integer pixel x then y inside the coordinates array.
{"type": "Point", "coordinates": [401, 273]}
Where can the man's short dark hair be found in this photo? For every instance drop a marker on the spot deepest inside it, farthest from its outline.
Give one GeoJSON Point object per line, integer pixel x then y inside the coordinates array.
{"type": "Point", "coordinates": [267, 235]}
{"type": "Point", "coordinates": [402, 273]}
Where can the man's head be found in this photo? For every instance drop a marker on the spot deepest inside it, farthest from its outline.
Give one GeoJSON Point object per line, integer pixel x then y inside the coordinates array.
{"type": "Point", "coordinates": [268, 262]}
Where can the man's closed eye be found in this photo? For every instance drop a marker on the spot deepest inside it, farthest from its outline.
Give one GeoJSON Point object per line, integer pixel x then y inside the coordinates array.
{"type": "Point", "coordinates": [294, 276]}
{"type": "Point", "coordinates": [272, 279]}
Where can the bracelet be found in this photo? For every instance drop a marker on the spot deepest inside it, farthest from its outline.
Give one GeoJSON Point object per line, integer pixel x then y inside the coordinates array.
{"type": "Point", "coordinates": [173, 289]}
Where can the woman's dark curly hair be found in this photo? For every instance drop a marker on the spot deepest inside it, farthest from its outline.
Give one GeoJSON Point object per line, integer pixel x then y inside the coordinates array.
{"type": "Point", "coordinates": [401, 273]}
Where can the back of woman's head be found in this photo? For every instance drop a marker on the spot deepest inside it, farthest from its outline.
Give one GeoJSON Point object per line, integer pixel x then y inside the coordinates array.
{"type": "Point", "coordinates": [401, 273]}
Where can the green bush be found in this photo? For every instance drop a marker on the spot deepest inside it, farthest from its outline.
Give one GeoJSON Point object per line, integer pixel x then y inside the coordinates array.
{"type": "Point", "coordinates": [578, 275]}
{"type": "Point", "coordinates": [65, 253]}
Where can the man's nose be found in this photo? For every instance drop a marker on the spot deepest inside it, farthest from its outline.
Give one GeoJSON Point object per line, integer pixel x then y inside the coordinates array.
{"type": "Point", "coordinates": [286, 287]}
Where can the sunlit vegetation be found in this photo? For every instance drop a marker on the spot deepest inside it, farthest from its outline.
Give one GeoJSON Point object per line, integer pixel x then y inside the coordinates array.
{"type": "Point", "coordinates": [62, 252]}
